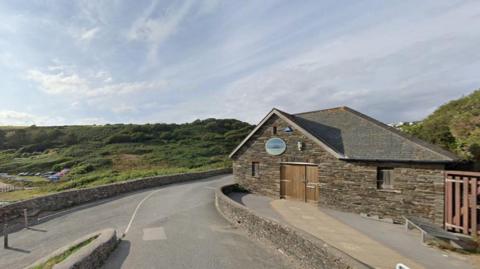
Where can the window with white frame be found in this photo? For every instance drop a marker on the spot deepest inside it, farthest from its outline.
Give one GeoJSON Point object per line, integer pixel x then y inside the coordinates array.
{"type": "Point", "coordinates": [385, 178]}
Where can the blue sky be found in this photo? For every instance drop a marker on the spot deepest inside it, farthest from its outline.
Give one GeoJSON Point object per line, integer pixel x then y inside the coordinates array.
{"type": "Point", "coordinates": [95, 62]}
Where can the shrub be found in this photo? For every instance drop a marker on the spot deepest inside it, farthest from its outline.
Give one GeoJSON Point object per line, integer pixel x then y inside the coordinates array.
{"type": "Point", "coordinates": [83, 169]}
{"type": "Point", "coordinates": [120, 138]}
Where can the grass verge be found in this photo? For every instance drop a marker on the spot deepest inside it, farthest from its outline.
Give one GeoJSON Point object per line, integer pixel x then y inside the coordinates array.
{"type": "Point", "coordinates": [60, 258]}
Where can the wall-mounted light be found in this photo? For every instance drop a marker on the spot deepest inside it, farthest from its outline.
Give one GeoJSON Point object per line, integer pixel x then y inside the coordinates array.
{"type": "Point", "coordinates": [288, 129]}
{"type": "Point", "coordinates": [300, 145]}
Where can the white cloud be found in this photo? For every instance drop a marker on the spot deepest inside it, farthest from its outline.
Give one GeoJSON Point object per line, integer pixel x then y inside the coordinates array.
{"type": "Point", "coordinates": [104, 76]}
{"type": "Point", "coordinates": [10, 117]}
{"type": "Point", "coordinates": [397, 69]}
{"type": "Point", "coordinates": [122, 109]}
{"type": "Point", "coordinates": [209, 6]}
{"type": "Point", "coordinates": [126, 88]}
{"type": "Point", "coordinates": [156, 30]}
{"type": "Point", "coordinates": [17, 118]}
{"type": "Point", "coordinates": [399, 62]}
{"type": "Point", "coordinates": [67, 82]}
{"type": "Point", "coordinates": [89, 34]}
{"type": "Point", "coordinates": [87, 121]}
{"type": "Point", "coordinates": [59, 83]}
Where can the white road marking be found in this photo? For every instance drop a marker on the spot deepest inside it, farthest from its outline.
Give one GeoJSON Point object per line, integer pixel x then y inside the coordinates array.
{"type": "Point", "coordinates": [136, 209]}
{"type": "Point", "coordinates": [210, 188]}
{"type": "Point", "coordinates": [151, 234]}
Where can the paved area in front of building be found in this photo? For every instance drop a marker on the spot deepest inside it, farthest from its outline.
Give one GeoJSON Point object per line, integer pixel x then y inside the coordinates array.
{"type": "Point", "coordinates": [261, 204]}
{"type": "Point", "coordinates": [379, 244]}
{"type": "Point", "coordinates": [407, 243]}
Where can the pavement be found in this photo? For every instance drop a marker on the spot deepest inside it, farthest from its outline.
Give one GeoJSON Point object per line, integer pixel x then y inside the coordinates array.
{"type": "Point", "coordinates": [379, 244]}
{"type": "Point", "coordinates": [406, 243]}
{"type": "Point", "coordinates": [261, 204]}
{"type": "Point", "coordinates": [175, 226]}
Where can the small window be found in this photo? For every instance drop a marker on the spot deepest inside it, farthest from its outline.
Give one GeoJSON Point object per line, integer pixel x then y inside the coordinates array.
{"type": "Point", "coordinates": [255, 168]}
{"type": "Point", "coordinates": [384, 178]}
{"type": "Point", "coordinates": [274, 130]}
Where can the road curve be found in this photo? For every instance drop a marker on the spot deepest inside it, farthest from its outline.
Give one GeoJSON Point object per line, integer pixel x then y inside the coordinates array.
{"type": "Point", "coordinates": [175, 226]}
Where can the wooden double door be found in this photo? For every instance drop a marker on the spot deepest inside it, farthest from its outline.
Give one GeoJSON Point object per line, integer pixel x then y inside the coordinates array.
{"type": "Point", "coordinates": [299, 182]}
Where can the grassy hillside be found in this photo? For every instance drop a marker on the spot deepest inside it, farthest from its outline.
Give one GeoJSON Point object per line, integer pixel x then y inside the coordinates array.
{"type": "Point", "coordinates": [454, 126]}
{"type": "Point", "coordinates": [104, 154]}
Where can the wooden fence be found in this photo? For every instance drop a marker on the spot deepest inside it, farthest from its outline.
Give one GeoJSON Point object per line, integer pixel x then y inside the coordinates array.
{"type": "Point", "coordinates": [7, 188]}
{"type": "Point", "coordinates": [462, 202]}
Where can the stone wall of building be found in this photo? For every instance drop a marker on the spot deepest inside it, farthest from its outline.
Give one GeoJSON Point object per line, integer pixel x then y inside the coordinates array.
{"type": "Point", "coordinates": [350, 186]}
{"type": "Point", "coordinates": [418, 190]}
{"type": "Point", "coordinates": [268, 180]}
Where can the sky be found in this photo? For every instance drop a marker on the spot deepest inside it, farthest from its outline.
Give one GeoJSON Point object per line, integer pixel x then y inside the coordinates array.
{"type": "Point", "coordinates": [98, 62]}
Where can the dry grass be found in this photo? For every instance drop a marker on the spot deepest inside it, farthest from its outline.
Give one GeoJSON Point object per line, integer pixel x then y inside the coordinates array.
{"type": "Point", "coordinates": [21, 195]}
{"type": "Point", "coordinates": [36, 178]}
{"type": "Point", "coordinates": [125, 162]}
{"type": "Point", "coordinates": [60, 258]}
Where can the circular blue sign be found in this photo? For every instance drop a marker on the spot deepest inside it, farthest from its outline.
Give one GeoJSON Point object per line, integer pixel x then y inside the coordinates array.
{"type": "Point", "coordinates": [275, 146]}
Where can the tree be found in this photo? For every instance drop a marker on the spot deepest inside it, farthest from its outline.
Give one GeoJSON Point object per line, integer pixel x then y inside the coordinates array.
{"type": "Point", "coordinates": [17, 138]}
{"type": "Point", "coordinates": [39, 136]}
{"type": "Point", "coordinates": [454, 126]}
{"type": "Point", "coordinates": [70, 139]}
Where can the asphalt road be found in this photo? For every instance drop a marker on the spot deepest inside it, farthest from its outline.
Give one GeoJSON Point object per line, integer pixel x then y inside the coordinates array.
{"type": "Point", "coordinates": [176, 226]}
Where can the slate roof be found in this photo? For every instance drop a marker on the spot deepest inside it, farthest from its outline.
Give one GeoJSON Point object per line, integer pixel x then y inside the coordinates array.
{"type": "Point", "coordinates": [351, 135]}
{"type": "Point", "coordinates": [359, 137]}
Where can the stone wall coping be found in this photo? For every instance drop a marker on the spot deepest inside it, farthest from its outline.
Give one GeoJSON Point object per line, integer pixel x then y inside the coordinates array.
{"type": "Point", "coordinates": [91, 256]}
{"type": "Point", "coordinates": [304, 246]}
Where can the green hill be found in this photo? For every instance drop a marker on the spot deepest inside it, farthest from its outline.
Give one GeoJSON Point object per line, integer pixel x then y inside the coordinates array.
{"type": "Point", "coordinates": [454, 126]}
{"type": "Point", "coordinates": [104, 154]}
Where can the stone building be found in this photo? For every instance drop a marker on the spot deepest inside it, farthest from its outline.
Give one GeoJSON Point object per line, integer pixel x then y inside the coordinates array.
{"type": "Point", "coordinates": [342, 159]}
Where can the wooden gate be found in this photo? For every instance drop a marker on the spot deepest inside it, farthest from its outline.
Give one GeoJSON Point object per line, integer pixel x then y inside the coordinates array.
{"type": "Point", "coordinates": [462, 202]}
{"type": "Point", "coordinates": [299, 182]}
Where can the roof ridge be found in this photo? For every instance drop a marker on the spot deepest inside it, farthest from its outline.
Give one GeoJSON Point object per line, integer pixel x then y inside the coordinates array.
{"type": "Point", "coordinates": [281, 111]}
{"type": "Point", "coordinates": [424, 144]}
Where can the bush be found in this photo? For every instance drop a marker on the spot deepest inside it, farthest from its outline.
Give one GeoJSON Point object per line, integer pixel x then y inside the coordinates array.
{"type": "Point", "coordinates": [100, 162]}
{"type": "Point", "coordinates": [77, 151]}
{"type": "Point", "coordinates": [83, 169]}
{"type": "Point", "coordinates": [34, 148]}
{"type": "Point", "coordinates": [116, 139]}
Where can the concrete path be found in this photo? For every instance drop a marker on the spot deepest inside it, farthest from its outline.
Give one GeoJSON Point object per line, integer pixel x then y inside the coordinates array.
{"type": "Point", "coordinates": [175, 226]}
{"type": "Point", "coordinates": [261, 204]}
{"type": "Point", "coordinates": [339, 235]}
{"type": "Point", "coordinates": [406, 243]}
{"type": "Point", "coordinates": [378, 244]}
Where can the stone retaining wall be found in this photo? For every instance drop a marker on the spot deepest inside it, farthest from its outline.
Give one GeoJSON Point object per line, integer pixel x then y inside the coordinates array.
{"type": "Point", "coordinates": [91, 256]}
{"type": "Point", "coordinates": [307, 250]}
{"type": "Point", "coordinates": [66, 199]}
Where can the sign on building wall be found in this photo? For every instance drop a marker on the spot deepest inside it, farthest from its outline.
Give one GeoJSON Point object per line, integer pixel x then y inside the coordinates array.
{"type": "Point", "coordinates": [275, 146]}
